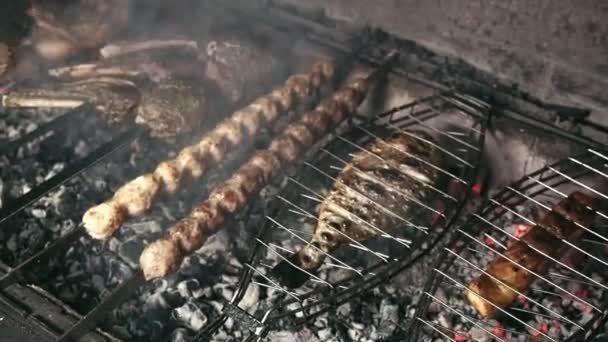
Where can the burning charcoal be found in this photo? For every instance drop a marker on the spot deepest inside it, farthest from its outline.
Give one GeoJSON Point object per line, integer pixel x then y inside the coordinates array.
{"type": "Point", "coordinates": [145, 227]}
{"type": "Point", "coordinates": [1, 193]}
{"type": "Point", "coordinates": [356, 333]}
{"type": "Point", "coordinates": [98, 282]}
{"type": "Point", "coordinates": [39, 213]}
{"type": "Point", "coordinates": [478, 334]}
{"type": "Point", "coordinates": [229, 324]}
{"type": "Point", "coordinates": [287, 336]}
{"type": "Point", "coordinates": [325, 334]}
{"type": "Point", "coordinates": [129, 251]}
{"type": "Point", "coordinates": [119, 270]}
{"type": "Point", "coordinates": [187, 287]}
{"type": "Point", "coordinates": [389, 317]}
{"type": "Point", "coordinates": [11, 244]}
{"type": "Point", "coordinates": [180, 335]}
{"type": "Point", "coordinates": [156, 300]}
{"type": "Point", "coordinates": [344, 310]}
{"type": "Point", "coordinates": [251, 297]}
{"type": "Point", "coordinates": [227, 293]}
{"type": "Point", "coordinates": [190, 315]}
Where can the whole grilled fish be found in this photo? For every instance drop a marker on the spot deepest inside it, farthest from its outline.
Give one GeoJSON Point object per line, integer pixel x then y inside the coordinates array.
{"type": "Point", "coordinates": [373, 193]}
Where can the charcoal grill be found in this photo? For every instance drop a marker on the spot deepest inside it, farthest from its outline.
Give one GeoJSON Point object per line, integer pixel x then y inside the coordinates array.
{"type": "Point", "coordinates": [479, 98]}
{"type": "Point", "coordinates": [566, 303]}
{"type": "Point", "coordinates": [366, 265]}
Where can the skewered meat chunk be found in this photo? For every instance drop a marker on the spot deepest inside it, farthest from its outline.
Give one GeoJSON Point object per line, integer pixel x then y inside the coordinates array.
{"type": "Point", "coordinates": [515, 270]}
{"type": "Point", "coordinates": [133, 198]}
{"type": "Point", "coordinates": [371, 195]}
{"type": "Point", "coordinates": [190, 233]}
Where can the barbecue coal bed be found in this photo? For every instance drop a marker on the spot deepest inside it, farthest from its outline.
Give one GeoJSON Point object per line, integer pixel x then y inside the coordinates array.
{"type": "Point", "coordinates": [61, 285]}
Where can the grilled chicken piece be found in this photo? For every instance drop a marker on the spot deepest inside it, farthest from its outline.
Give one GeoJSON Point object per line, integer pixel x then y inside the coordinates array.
{"type": "Point", "coordinates": [65, 27]}
{"type": "Point", "coordinates": [135, 197]}
{"type": "Point", "coordinates": [510, 270]}
{"type": "Point", "coordinates": [373, 194]}
{"type": "Point", "coordinates": [164, 256]}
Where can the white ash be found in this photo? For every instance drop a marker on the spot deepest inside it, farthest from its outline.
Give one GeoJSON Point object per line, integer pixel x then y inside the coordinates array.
{"type": "Point", "coordinates": [190, 315]}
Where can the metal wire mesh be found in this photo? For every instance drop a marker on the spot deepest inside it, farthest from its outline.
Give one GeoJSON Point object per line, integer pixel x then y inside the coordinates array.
{"type": "Point", "coordinates": [361, 266]}
{"type": "Point", "coordinates": [568, 302]}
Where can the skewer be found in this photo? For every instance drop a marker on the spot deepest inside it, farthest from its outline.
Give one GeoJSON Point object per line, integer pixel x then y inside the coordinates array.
{"type": "Point", "coordinates": [137, 196]}
{"type": "Point", "coordinates": [164, 256]}
{"type": "Point", "coordinates": [60, 121]}
{"type": "Point", "coordinates": [73, 169]}
{"type": "Point", "coordinates": [90, 320]}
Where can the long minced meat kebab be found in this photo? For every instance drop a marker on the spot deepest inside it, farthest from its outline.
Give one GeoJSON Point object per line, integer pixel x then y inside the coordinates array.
{"type": "Point", "coordinates": [164, 256]}
{"type": "Point", "coordinates": [506, 277]}
{"type": "Point", "coordinates": [136, 196]}
{"type": "Point", "coordinates": [376, 192]}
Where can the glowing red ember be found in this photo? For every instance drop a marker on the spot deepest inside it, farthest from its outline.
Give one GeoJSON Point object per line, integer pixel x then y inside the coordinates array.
{"type": "Point", "coordinates": [521, 230]}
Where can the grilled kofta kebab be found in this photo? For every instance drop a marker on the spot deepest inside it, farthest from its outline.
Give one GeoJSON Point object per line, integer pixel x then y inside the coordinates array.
{"type": "Point", "coordinates": [164, 256]}
{"type": "Point", "coordinates": [372, 195]}
{"type": "Point", "coordinates": [135, 197]}
{"type": "Point", "coordinates": [502, 276]}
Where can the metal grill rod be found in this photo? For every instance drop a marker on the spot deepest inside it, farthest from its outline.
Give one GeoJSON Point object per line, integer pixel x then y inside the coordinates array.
{"type": "Point", "coordinates": [274, 284]}
{"type": "Point", "coordinates": [57, 122]}
{"type": "Point", "coordinates": [119, 295]}
{"type": "Point", "coordinates": [564, 240]}
{"type": "Point", "coordinates": [511, 288]}
{"type": "Point", "coordinates": [290, 231]}
{"type": "Point", "coordinates": [19, 272]}
{"type": "Point", "coordinates": [409, 223]}
{"type": "Point", "coordinates": [353, 241]}
{"type": "Point", "coordinates": [466, 317]}
{"type": "Point", "coordinates": [536, 249]}
{"type": "Point", "coordinates": [415, 157]}
{"type": "Point", "coordinates": [591, 231]}
{"type": "Point", "coordinates": [363, 149]}
{"type": "Point", "coordinates": [491, 303]}
{"type": "Point", "coordinates": [72, 170]}
{"type": "Point", "coordinates": [376, 278]}
{"type": "Point", "coordinates": [372, 282]}
{"type": "Point", "coordinates": [528, 270]}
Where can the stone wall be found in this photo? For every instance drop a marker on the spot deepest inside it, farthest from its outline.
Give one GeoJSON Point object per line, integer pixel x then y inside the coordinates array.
{"type": "Point", "coordinates": [555, 49]}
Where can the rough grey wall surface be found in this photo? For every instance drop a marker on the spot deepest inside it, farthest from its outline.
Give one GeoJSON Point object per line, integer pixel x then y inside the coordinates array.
{"type": "Point", "coordinates": [555, 49]}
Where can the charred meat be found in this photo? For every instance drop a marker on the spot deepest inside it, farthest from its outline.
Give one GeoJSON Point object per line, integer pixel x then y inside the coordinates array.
{"type": "Point", "coordinates": [512, 274]}
{"type": "Point", "coordinates": [237, 65]}
{"type": "Point", "coordinates": [372, 195]}
{"type": "Point", "coordinates": [166, 109]}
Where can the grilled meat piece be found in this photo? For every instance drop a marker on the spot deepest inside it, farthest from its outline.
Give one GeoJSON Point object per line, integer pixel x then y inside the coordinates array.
{"type": "Point", "coordinates": [135, 197]}
{"type": "Point", "coordinates": [190, 233]}
{"type": "Point", "coordinates": [515, 270]}
{"type": "Point", "coordinates": [169, 108]}
{"type": "Point", "coordinates": [238, 65]}
{"type": "Point", "coordinates": [65, 27]}
{"type": "Point", "coordinates": [372, 194]}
